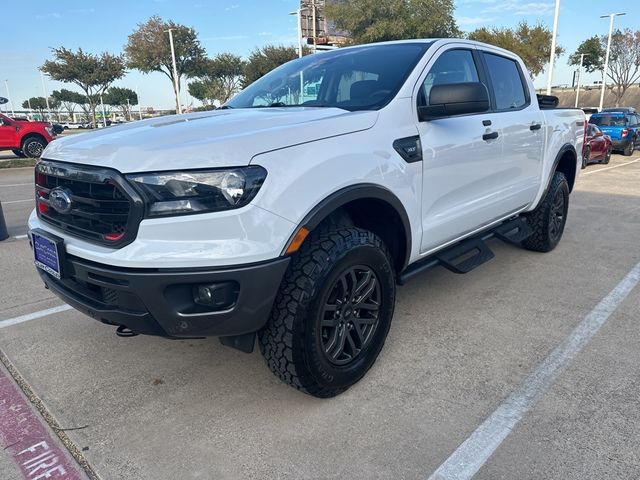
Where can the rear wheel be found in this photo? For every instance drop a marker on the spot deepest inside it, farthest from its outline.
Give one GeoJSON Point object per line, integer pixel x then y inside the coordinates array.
{"type": "Point", "coordinates": [18, 153]}
{"type": "Point", "coordinates": [628, 150]}
{"type": "Point", "coordinates": [32, 147]}
{"type": "Point", "coordinates": [547, 221]}
{"type": "Point", "coordinates": [332, 314]}
{"type": "Point", "coordinates": [607, 156]}
{"type": "Point", "coordinates": [586, 155]}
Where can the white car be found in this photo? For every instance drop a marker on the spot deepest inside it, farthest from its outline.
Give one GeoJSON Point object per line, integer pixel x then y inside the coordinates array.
{"type": "Point", "coordinates": [292, 218]}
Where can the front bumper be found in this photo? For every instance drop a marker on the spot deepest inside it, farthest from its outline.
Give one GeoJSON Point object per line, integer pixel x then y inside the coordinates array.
{"type": "Point", "coordinates": [160, 301]}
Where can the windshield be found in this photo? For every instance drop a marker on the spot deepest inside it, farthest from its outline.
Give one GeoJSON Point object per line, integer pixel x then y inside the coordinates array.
{"type": "Point", "coordinates": [608, 120]}
{"type": "Point", "coordinates": [362, 78]}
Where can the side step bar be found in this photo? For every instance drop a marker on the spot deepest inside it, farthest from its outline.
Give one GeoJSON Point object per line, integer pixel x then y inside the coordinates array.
{"type": "Point", "coordinates": [471, 252]}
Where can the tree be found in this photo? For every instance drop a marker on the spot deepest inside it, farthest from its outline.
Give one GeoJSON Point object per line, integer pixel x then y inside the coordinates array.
{"type": "Point", "coordinates": [69, 100]}
{"type": "Point", "coordinates": [148, 50]}
{"type": "Point", "coordinates": [221, 77]}
{"type": "Point", "coordinates": [92, 73]}
{"type": "Point", "coordinates": [624, 61]}
{"type": "Point", "coordinates": [263, 60]}
{"type": "Point", "coordinates": [531, 43]}
{"type": "Point", "coordinates": [36, 103]}
{"type": "Point", "coordinates": [594, 55]}
{"type": "Point", "coordinates": [368, 21]}
{"type": "Point", "coordinates": [121, 98]}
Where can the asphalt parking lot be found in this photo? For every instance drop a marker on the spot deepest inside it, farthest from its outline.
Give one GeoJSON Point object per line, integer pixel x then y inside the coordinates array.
{"type": "Point", "coordinates": [149, 408]}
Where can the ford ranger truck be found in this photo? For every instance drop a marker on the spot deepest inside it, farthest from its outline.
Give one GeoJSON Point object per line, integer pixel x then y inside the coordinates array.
{"type": "Point", "coordinates": [23, 138]}
{"type": "Point", "coordinates": [288, 217]}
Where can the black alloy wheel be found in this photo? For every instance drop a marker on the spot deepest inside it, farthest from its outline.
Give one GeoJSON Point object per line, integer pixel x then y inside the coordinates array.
{"type": "Point", "coordinates": [557, 214]}
{"type": "Point", "coordinates": [349, 317]}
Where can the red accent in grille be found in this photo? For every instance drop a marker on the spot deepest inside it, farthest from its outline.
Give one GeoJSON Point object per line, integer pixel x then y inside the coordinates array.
{"type": "Point", "coordinates": [114, 237]}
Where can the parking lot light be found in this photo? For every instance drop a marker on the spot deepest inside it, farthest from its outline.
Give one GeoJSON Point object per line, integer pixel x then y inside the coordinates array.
{"type": "Point", "coordinates": [606, 57]}
{"type": "Point", "coordinates": [553, 46]}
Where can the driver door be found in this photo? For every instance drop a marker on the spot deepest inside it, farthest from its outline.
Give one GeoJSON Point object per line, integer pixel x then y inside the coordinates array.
{"type": "Point", "coordinates": [462, 157]}
{"type": "Point", "coordinates": [7, 133]}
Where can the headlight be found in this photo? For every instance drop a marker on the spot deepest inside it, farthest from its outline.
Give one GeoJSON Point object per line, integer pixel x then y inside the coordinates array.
{"type": "Point", "coordinates": [198, 191]}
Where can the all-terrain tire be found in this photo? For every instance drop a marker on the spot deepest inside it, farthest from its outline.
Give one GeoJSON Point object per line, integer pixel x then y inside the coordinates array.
{"type": "Point", "coordinates": [294, 341]}
{"type": "Point", "coordinates": [547, 221]}
{"type": "Point", "coordinates": [19, 153]}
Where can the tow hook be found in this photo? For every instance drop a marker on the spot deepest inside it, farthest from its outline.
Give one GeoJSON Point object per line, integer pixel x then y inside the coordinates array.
{"type": "Point", "coordinates": [125, 332]}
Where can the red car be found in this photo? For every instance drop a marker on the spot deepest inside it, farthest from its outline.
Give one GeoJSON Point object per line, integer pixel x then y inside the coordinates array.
{"type": "Point", "coordinates": [25, 139]}
{"type": "Point", "coordinates": [597, 147]}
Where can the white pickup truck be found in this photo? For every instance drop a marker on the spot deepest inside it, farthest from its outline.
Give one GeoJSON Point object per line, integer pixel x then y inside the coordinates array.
{"type": "Point", "coordinates": [291, 213]}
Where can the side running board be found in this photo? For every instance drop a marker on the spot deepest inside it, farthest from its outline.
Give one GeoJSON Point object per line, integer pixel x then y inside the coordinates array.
{"type": "Point", "coordinates": [471, 252]}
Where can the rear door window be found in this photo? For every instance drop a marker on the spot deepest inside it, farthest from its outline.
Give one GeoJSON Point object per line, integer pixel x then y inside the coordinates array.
{"type": "Point", "coordinates": [507, 82]}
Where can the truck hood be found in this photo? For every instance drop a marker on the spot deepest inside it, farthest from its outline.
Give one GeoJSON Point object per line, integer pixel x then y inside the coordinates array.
{"type": "Point", "coordinates": [207, 139]}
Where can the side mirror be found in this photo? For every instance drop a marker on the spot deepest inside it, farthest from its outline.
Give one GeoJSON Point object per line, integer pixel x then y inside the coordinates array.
{"type": "Point", "coordinates": [455, 99]}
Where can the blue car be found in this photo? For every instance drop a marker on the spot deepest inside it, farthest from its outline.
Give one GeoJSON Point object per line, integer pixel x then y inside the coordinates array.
{"type": "Point", "coordinates": [623, 126]}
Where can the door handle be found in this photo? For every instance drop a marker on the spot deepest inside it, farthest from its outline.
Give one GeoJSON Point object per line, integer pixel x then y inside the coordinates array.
{"type": "Point", "coordinates": [486, 123]}
{"type": "Point", "coordinates": [490, 136]}
{"type": "Point", "coordinates": [535, 126]}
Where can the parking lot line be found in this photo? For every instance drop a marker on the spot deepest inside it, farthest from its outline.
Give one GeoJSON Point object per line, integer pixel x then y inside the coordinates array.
{"type": "Point", "coordinates": [20, 237]}
{"type": "Point", "coordinates": [19, 201]}
{"type": "Point", "coordinates": [33, 316]}
{"type": "Point", "coordinates": [613, 166]}
{"type": "Point", "coordinates": [15, 184]}
{"type": "Point", "coordinates": [473, 453]}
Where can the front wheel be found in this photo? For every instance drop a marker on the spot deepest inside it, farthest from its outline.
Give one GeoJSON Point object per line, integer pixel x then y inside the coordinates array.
{"type": "Point", "coordinates": [332, 314]}
{"type": "Point", "coordinates": [547, 221]}
{"type": "Point", "coordinates": [33, 147]}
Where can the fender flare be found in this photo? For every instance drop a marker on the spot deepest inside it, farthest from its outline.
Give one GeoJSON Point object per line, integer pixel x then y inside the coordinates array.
{"type": "Point", "coordinates": [348, 194]}
{"type": "Point", "coordinates": [567, 147]}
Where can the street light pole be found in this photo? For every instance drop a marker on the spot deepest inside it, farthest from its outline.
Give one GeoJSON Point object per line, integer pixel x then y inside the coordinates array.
{"type": "Point", "coordinates": [606, 58]}
{"type": "Point", "coordinates": [582, 55]}
{"type": "Point", "coordinates": [553, 47]}
{"type": "Point", "coordinates": [176, 85]}
{"type": "Point", "coordinates": [139, 104]}
{"type": "Point", "coordinates": [298, 12]}
{"type": "Point", "coordinates": [46, 97]}
{"type": "Point", "coordinates": [6, 84]}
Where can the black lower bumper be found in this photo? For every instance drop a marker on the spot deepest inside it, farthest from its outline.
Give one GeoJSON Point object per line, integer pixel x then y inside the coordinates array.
{"type": "Point", "coordinates": [161, 301]}
{"type": "Point", "coordinates": [621, 144]}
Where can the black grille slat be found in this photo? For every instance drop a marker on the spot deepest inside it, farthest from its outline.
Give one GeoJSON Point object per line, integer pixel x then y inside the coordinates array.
{"type": "Point", "coordinates": [105, 209]}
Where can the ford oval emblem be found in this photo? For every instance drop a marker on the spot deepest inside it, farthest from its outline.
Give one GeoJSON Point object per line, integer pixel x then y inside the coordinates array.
{"type": "Point", "coordinates": [60, 200]}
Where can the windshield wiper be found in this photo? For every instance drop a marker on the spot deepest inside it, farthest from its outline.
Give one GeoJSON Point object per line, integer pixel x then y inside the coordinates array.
{"type": "Point", "coordinates": [225, 107]}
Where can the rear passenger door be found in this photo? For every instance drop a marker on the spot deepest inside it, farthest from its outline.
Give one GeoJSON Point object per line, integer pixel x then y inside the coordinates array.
{"type": "Point", "coordinates": [522, 129]}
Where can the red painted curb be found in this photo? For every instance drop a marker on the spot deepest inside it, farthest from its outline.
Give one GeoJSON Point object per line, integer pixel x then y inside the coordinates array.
{"type": "Point", "coordinates": [26, 438]}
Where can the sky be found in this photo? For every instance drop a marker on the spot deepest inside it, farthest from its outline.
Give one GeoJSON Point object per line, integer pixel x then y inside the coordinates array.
{"type": "Point", "coordinates": [238, 26]}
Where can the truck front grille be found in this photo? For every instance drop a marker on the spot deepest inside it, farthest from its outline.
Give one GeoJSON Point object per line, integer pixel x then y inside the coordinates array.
{"type": "Point", "coordinates": [95, 204]}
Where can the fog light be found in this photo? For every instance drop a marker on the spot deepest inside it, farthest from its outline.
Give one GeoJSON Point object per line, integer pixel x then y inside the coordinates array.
{"type": "Point", "coordinates": [217, 296]}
